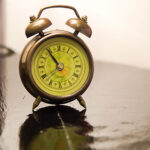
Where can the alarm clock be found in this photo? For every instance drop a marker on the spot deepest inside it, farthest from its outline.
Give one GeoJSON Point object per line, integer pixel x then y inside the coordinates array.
{"type": "Point", "coordinates": [56, 67]}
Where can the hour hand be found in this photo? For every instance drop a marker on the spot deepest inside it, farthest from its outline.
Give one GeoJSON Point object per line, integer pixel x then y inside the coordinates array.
{"type": "Point", "coordinates": [52, 56]}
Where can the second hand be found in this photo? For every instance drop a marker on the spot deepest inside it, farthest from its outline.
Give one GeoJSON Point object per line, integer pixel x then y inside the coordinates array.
{"type": "Point", "coordinates": [52, 73]}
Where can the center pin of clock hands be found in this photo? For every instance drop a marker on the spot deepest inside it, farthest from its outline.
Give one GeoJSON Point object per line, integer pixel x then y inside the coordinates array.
{"type": "Point", "coordinates": [59, 66]}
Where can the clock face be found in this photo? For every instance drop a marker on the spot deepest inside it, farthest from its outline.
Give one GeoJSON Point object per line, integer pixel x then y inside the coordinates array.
{"type": "Point", "coordinates": [60, 66]}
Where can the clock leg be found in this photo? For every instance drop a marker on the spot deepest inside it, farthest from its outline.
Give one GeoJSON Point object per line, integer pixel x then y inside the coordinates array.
{"type": "Point", "coordinates": [81, 101]}
{"type": "Point", "coordinates": [36, 102]}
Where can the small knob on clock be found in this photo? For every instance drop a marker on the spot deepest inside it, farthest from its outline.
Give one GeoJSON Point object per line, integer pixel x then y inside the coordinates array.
{"type": "Point", "coordinates": [37, 26]}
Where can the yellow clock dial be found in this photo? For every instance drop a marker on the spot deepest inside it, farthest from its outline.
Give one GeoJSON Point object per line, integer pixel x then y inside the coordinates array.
{"type": "Point", "coordinates": [60, 66]}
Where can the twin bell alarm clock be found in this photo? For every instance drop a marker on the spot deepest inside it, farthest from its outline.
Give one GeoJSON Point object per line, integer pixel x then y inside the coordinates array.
{"type": "Point", "coordinates": [56, 67]}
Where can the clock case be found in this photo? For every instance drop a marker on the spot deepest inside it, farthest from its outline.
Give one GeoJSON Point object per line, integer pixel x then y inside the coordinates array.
{"type": "Point", "coordinates": [25, 67]}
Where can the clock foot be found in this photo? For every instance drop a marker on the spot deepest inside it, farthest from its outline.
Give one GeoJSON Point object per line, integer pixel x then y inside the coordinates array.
{"type": "Point", "coordinates": [81, 101]}
{"type": "Point", "coordinates": [36, 103]}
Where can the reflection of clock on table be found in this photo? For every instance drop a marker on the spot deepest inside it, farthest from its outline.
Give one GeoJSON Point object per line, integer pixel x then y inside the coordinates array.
{"type": "Point", "coordinates": [56, 66]}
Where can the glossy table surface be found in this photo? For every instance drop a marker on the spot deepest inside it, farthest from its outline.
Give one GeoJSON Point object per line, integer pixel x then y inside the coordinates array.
{"type": "Point", "coordinates": [117, 115]}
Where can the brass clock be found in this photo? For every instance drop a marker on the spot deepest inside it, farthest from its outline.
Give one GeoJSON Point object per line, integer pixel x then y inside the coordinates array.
{"type": "Point", "coordinates": [56, 67]}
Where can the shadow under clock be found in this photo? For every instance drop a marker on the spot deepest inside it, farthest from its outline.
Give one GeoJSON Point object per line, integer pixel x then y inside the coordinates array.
{"type": "Point", "coordinates": [55, 128]}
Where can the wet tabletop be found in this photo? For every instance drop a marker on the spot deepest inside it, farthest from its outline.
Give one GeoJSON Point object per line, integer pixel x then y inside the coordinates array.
{"type": "Point", "coordinates": [117, 115]}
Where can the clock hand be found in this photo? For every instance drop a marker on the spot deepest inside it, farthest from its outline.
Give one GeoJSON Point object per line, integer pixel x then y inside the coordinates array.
{"type": "Point", "coordinates": [59, 66]}
{"type": "Point", "coordinates": [52, 57]}
{"type": "Point", "coordinates": [52, 73]}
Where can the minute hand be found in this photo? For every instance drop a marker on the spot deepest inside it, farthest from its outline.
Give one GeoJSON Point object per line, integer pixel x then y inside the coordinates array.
{"type": "Point", "coordinates": [52, 57]}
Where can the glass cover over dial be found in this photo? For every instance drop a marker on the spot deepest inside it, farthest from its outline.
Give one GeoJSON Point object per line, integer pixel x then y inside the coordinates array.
{"type": "Point", "coordinates": [60, 66]}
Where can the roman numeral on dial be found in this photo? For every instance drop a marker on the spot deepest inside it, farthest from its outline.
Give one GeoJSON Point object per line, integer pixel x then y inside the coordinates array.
{"type": "Point", "coordinates": [75, 75]}
{"type": "Point", "coordinates": [44, 76]}
{"type": "Point", "coordinates": [75, 57]}
{"type": "Point", "coordinates": [58, 47]}
{"type": "Point", "coordinates": [60, 85]}
{"type": "Point", "coordinates": [50, 82]}
{"type": "Point", "coordinates": [78, 66]}
{"type": "Point", "coordinates": [68, 50]}
{"type": "Point", "coordinates": [69, 82]}
{"type": "Point", "coordinates": [40, 66]}
{"type": "Point", "coordinates": [43, 57]}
